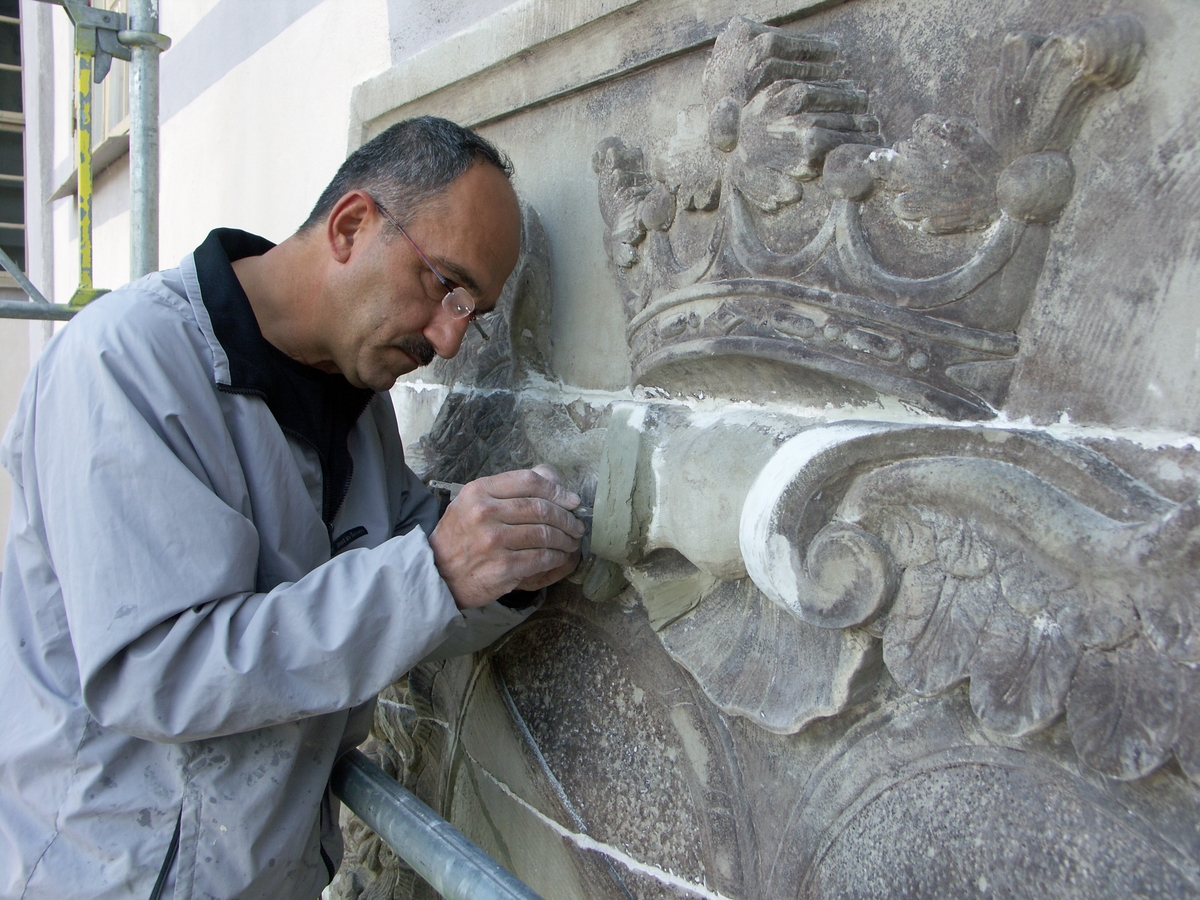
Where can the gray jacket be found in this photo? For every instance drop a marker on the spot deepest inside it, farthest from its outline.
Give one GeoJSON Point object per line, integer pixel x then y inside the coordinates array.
{"type": "Point", "coordinates": [190, 630]}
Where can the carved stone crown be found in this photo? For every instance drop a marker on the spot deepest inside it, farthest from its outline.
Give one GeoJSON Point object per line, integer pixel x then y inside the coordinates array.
{"type": "Point", "coordinates": [904, 270]}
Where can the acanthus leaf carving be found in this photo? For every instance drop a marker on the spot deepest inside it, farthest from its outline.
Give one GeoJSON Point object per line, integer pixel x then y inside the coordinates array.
{"type": "Point", "coordinates": [1020, 671]}
{"type": "Point", "coordinates": [1187, 745]}
{"type": "Point", "coordinates": [946, 173]}
{"type": "Point", "coordinates": [1047, 579]}
{"type": "Point", "coordinates": [1166, 603]}
{"type": "Point", "coordinates": [821, 672]}
{"type": "Point", "coordinates": [1124, 708]}
{"type": "Point", "coordinates": [934, 628]}
{"type": "Point", "coordinates": [1037, 98]}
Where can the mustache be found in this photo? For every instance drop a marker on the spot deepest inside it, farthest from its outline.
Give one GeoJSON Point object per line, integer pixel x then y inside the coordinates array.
{"type": "Point", "coordinates": [418, 348]}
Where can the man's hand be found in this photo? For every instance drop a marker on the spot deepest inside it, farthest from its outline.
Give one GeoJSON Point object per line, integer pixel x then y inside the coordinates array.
{"type": "Point", "coordinates": [507, 532]}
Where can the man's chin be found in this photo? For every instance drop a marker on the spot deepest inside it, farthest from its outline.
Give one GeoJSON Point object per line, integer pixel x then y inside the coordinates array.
{"type": "Point", "coordinates": [398, 364]}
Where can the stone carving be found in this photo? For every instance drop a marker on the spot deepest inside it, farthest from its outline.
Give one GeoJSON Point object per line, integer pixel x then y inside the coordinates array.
{"type": "Point", "coordinates": [478, 426]}
{"type": "Point", "coordinates": [829, 308]}
{"type": "Point", "coordinates": [807, 657]}
{"type": "Point", "coordinates": [799, 674]}
{"type": "Point", "coordinates": [1043, 575]}
{"type": "Point", "coordinates": [1036, 569]}
{"type": "Point", "coordinates": [1032, 567]}
{"type": "Point", "coordinates": [579, 756]}
{"type": "Point", "coordinates": [918, 801]}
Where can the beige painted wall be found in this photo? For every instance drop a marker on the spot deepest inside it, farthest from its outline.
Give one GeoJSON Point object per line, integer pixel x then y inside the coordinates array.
{"type": "Point", "coordinates": [253, 150]}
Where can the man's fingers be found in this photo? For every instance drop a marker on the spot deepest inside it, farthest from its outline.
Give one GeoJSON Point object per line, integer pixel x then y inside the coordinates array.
{"type": "Point", "coordinates": [545, 579]}
{"type": "Point", "coordinates": [525, 483]}
{"type": "Point", "coordinates": [533, 511]}
{"type": "Point", "coordinates": [532, 537]}
{"type": "Point", "coordinates": [505, 530]}
{"type": "Point", "coordinates": [487, 513]}
{"type": "Point", "coordinates": [522, 568]}
{"type": "Point", "coordinates": [548, 473]}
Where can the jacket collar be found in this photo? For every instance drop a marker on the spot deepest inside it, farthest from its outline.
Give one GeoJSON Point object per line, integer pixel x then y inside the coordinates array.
{"type": "Point", "coordinates": [313, 406]}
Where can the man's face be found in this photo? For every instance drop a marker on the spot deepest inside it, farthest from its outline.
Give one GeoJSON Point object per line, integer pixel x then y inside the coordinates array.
{"type": "Point", "coordinates": [390, 317]}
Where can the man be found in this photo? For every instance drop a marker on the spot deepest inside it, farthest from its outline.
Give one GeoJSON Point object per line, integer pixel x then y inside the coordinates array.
{"type": "Point", "coordinates": [217, 557]}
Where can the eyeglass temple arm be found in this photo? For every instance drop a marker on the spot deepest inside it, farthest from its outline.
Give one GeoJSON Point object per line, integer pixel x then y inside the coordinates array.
{"type": "Point", "coordinates": [432, 268]}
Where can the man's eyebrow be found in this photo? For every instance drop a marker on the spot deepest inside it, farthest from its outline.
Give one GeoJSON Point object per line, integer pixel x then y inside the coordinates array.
{"type": "Point", "coordinates": [459, 276]}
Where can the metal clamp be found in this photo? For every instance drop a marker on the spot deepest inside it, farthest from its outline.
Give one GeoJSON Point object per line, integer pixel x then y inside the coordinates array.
{"type": "Point", "coordinates": [96, 34]}
{"type": "Point", "coordinates": [151, 39]}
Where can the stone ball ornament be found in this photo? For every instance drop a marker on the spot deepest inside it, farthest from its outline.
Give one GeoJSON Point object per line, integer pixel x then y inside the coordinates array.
{"type": "Point", "coordinates": [1037, 187]}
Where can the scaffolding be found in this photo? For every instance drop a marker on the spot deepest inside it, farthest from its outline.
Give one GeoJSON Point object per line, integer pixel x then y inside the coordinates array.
{"type": "Point", "coordinates": [100, 36]}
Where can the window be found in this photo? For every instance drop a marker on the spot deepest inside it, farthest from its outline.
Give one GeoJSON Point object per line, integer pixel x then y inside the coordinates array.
{"type": "Point", "coordinates": [12, 131]}
{"type": "Point", "coordinates": [110, 98]}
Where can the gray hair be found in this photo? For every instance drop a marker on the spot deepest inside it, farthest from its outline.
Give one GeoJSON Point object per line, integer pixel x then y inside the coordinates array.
{"type": "Point", "coordinates": [406, 166]}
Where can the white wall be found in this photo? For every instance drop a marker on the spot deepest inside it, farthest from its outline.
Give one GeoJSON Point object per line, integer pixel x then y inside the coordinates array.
{"type": "Point", "coordinates": [255, 106]}
{"type": "Point", "coordinates": [255, 149]}
{"type": "Point", "coordinates": [14, 363]}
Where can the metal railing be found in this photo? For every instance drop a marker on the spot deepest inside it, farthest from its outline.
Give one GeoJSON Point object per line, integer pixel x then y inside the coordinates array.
{"type": "Point", "coordinates": [37, 306]}
{"type": "Point", "coordinates": [434, 849]}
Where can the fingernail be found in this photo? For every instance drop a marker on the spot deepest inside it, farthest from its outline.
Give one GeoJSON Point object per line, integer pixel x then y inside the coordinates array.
{"type": "Point", "coordinates": [573, 498]}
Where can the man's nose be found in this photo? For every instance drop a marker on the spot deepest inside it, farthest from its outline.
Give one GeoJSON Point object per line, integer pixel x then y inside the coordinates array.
{"type": "Point", "coordinates": [446, 333]}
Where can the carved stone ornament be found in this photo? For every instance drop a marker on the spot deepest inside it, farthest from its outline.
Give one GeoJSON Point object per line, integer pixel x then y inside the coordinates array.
{"type": "Point", "coordinates": [1036, 569]}
{"type": "Point", "coordinates": [802, 191]}
{"type": "Point", "coordinates": [1033, 568]}
{"type": "Point", "coordinates": [820, 652]}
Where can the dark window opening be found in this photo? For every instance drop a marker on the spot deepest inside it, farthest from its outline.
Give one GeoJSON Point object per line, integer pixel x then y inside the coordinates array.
{"type": "Point", "coordinates": [12, 134]}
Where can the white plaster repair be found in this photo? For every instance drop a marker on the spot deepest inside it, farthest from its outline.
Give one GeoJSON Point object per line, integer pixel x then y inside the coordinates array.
{"type": "Point", "coordinates": [767, 554]}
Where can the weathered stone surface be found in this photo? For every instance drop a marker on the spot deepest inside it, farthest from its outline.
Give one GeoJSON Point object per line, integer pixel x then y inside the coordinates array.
{"type": "Point", "coordinates": [778, 115]}
{"type": "Point", "coordinates": [829, 641]}
{"type": "Point", "coordinates": [731, 644]}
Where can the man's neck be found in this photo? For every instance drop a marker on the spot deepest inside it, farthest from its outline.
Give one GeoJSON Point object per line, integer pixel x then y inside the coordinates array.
{"type": "Point", "coordinates": [283, 294]}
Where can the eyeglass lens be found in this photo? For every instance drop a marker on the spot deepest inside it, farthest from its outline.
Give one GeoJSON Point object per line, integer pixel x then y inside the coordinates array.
{"type": "Point", "coordinates": [458, 303]}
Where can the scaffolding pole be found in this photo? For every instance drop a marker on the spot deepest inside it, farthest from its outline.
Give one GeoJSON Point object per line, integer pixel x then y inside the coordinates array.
{"type": "Point", "coordinates": [147, 44]}
{"type": "Point", "coordinates": [85, 53]}
{"type": "Point", "coordinates": [38, 307]}
{"type": "Point", "coordinates": [100, 36]}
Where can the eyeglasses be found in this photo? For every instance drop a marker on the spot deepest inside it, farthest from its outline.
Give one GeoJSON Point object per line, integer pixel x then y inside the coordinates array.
{"type": "Point", "coordinates": [458, 302]}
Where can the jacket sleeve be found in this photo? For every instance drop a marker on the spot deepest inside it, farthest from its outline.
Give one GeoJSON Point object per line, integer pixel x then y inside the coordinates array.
{"type": "Point", "coordinates": [125, 462]}
{"type": "Point", "coordinates": [472, 629]}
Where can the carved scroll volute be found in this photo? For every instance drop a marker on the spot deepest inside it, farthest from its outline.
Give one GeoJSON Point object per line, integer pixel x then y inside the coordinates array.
{"type": "Point", "coordinates": [837, 577]}
{"type": "Point", "coordinates": [670, 488]}
{"type": "Point", "coordinates": [1032, 568]}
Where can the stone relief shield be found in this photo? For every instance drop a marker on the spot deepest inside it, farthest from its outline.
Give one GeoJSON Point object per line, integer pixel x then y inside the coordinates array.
{"type": "Point", "coordinates": [806, 654]}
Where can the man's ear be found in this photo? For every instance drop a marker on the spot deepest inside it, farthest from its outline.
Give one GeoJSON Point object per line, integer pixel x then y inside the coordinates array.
{"type": "Point", "coordinates": [346, 221]}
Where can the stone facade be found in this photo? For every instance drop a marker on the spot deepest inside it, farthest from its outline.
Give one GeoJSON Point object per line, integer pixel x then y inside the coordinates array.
{"type": "Point", "coordinates": [871, 332]}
